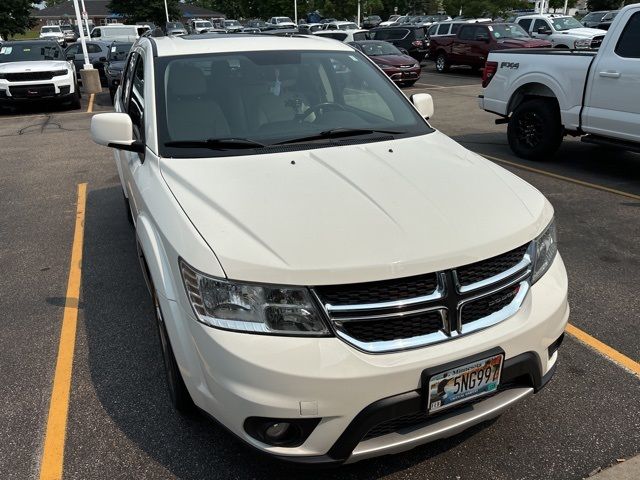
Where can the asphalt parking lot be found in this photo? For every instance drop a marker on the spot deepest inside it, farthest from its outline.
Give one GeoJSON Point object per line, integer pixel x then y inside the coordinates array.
{"type": "Point", "coordinates": [120, 422]}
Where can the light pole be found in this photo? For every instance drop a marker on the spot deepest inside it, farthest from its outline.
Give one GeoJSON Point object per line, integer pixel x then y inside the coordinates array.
{"type": "Point", "coordinates": [85, 16]}
{"type": "Point", "coordinates": [83, 42]}
{"type": "Point", "coordinates": [358, 22]}
{"type": "Point", "coordinates": [166, 10]}
{"type": "Point", "coordinates": [90, 76]}
{"type": "Point", "coordinates": [295, 11]}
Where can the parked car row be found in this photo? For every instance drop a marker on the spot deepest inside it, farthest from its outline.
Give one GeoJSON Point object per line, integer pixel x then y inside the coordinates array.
{"type": "Point", "coordinates": [600, 19]}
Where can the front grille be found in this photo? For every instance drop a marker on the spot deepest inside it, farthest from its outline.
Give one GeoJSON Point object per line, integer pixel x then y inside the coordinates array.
{"type": "Point", "coordinates": [28, 76]}
{"type": "Point", "coordinates": [378, 292]}
{"type": "Point", "coordinates": [485, 306]}
{"type": "Point", "coordinates": [394, 328]}
{"type": "Point", "coordinates": [32, 91]}
{"type": "Point", "coordinates": [597, 41]}
{"type": "Point", "coordinates": [476, 272]}
{"type": "Point", "coordinates": [411, 312]}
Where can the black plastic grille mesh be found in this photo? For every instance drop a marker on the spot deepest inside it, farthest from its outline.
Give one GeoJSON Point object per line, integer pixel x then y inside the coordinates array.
{"type": "Point", "coordinates": [377, 292]}
{"type": "Point", "coordinates": [28, 76]}
{"type": "Point", "coordinates": [484, 269]}
{"type": "Point", "coordinates": [394, 328]}
{"type": "Point", "coordinates": [485, 306]}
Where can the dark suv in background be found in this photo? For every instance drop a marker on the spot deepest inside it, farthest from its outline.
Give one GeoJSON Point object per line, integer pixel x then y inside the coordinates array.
{"type": "Point", "coordinates": [408, 37]}
{"type": "Point", "coordinates": [372, 21]}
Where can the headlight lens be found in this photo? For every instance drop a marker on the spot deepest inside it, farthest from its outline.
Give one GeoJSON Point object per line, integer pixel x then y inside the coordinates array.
{"type": "Point", "coordinates": [546, 250]}
{"type": "Point", "coordinates": [586, 43]}
{"type": "Point", "coordinates": [251, 308]}
{"type": "Point", "coordinates": [386, 67]}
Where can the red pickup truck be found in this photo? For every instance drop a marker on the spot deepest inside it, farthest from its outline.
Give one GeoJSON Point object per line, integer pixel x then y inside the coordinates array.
{"type": "Point", "coordinates": [473, 42]}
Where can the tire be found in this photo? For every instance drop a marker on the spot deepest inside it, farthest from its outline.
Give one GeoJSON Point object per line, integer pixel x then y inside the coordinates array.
{"type": "Point", "coordinates": [535, 131]}
{"type": "Point", "coordinates": [562, 46]}
{"type": "Point", "coordinates": [75, 102]}
{"type": "Point", "coordinates": [112, 95]}
{"type": "Point", "coordinates": [408, 84]}
{"type": "Point", "coordinates": [442, 65]}
{"type": "Point", "coordinates": [178, 393]}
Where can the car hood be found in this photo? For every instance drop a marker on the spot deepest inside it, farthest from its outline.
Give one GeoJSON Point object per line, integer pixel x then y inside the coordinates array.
{"type": "Point", "coordinates": [522, 43]}
{"type": "Point", "coordinates": [33, 66]}
{"type": "Point", "coordinates": [355, 213]}
{"type": "Point", "coordinates": [51, 34]}
{"type": "Point", "coordinates": [395, 60]}
{"type": "Point", "coordinates": [584, 32]}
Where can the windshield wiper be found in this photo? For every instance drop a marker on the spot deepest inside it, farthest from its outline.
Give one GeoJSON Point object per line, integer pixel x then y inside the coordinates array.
{"type": "Point", "coordinates": [216, 143]}
{"type": "Point", "coordinates": [338, 133]}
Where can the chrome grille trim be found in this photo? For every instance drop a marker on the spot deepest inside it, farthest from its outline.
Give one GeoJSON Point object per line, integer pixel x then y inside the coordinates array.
{"type": "Point", "coordinates": [448, 299]}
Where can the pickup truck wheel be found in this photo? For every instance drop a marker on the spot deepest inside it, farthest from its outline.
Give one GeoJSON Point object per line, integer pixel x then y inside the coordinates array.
{"type": "Point", "coordinates": [441, 63]}
{"type": "Point", "coordinates": [178, 393]}
{"type": "Point", "coordinates": [534, 129]}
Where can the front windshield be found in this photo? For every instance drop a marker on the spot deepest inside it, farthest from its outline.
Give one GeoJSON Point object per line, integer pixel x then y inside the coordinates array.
{"type": "Point", "coordinates": [26, 52]}
{"type": "Point", "coordinates": [374, 49]}
{"type": "Point", "coordinates": [174, 25]}
{"type": "Point", "coordinates": [273, 97]}
{"type": "Point", "coordinates": [51, 30]}
{"type": "Point", "coordinates": [232, 23]}
{"type": "Point", "coordinates": [204, 25]}
{"type": "Point", "coordinates": [348, 26]}
{"type": "Point", "coordinates": [119, 51]}
{"type": "Point", "coordinates": [508, 31]}
{"type": "Point", "coordinates": [565, 23]}
{"type": "Point", "coordinates": [283, 20]}
{"type": "Point", "coordinates": [609, 16]}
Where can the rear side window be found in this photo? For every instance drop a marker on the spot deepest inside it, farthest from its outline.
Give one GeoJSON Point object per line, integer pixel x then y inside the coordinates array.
{"type": "Point", "coordinates": [539, 23]}
{"type": "Point", "coordinates": [443, 29]}
{"type": "Point", "coordinates": [454, 28]}
{"type": "Point", "coordinates": [93, 48]}
{"type": "Point", "coordinates": [467, 33]}
{"type": "Point", "coordinates": [360, 36]}
{"type": "Point", "coordinates": [419, 33]}
{"type": "Point", "coordinates": [525, 23]}
{"type": "Point", "coordinates": [629, 43]}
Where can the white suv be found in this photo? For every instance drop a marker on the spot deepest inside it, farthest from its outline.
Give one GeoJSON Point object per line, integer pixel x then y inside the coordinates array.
{"type": "Point", "coordinates": [333, 279]}
{"type": "Point", "coordinates": [52, 32]}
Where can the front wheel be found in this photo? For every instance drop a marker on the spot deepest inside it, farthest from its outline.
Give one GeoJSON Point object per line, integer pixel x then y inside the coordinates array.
{"type": "Point", "coordinates": [178, 393]}
{"type": "Point", "coordinates": [75, 102]}
{"type": "Point", "coordinates": [535, 130]}
{"type": "Point", "coordinates": [441, 63]}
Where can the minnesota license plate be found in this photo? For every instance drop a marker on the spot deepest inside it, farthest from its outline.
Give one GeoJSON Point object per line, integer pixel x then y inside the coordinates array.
{"type": "Point", "coordinates": [464, 383]}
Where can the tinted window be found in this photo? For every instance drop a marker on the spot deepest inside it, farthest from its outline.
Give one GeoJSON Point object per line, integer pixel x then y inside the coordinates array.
{"type": "Point", "coordinates": [443, 29]}
{"type": "Point", "coordinates": [25, 51]}
{"type": "Point", "coordinates": [93, 48]}
{"type": "Point", "coordinates": [629, 43]}
{"type": "Point", "coordinates": [73, 50]}
{"type": "Point", "coordinates": [482, 33]}
{"type": "Point", "coordinates": [539, 23]}
{"type": "Point", "coordinates": [525, 23]}
{"type": "Point", "coordinates": [455, 27]}
{"type": "Point", "coordinates": [360, 36]}
{"type": "Point", "coordinates": [467, 33]}
{"type": "Point", "coordinates": [419, 33]}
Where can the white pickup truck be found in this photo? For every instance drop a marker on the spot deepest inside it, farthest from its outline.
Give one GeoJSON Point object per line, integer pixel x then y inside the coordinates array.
{"type": "Point", "coordinates": [546, 94]}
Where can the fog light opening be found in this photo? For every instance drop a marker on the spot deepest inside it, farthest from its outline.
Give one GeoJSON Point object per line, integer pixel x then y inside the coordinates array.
{"type": "Point", "coordinates": [280, 432]}
{"type": "Point", "coordinates": [277, 431]}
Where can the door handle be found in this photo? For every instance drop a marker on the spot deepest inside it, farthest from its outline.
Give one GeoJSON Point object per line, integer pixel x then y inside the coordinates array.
{"type": "Point", "coordinates": [610, 74]}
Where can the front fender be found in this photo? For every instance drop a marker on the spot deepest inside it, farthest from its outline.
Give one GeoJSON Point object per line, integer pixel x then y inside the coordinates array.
{"type": "Point", "coordinates": [154, 259]}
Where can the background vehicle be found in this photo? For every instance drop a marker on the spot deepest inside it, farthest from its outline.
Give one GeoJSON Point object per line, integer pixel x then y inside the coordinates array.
{"type": "Point", "coordinates": [602, 104]}
{"type": "Point", "coordinates": [69, 33]}
{"type": "Point", "coordinates": [35, 70]}
{"type": "Point", "coordinates": [52, 32]}
{"type": "Point", "coordinates": [593, 19]}
{"type": "Point", "coordinates": [393, 19]}
{"type": "Point", "coordinates": [200, 26]}
{"type": "Point", "coordinates": [175, 28]}
{"type": "Point", "coordinates": [473, 42]}
{"type": "Point", "coordinates": [408, 37]}
{"type": "Point", "coordinates": [308, 28]}
{"type": "Point", "coordinates": [232, 26]}
{"type": "Point", "coordinates": [98, 52]}
{"type": "Point", "coordinates": [114, 65]}
{"type": "Point", "coordinates": [561, 31]}
{"type": "Point", "coordinates": [257, 23]}
{"type": "Point", "coordinates": [371, 21]}
{"type": "Point", "coordinates": [281, 22]}
{"type": "Point", "coordinates": [118, 33]}
{"type": "Point", "coordinates": [341, 26]}
{"type": "Point", "coordinates": [345, 35]}
{"type": "Point", "coordinates": [607, 20]}
{"type": "Point", "coordinates": [403, 69]}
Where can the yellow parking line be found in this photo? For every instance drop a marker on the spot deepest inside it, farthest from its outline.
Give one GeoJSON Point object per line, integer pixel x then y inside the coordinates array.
{"type": "Point", "coordinates": [605, 349]}
{"type": "Point", "coordinates": [53, 452]}
{"type": "Point", "coordinates": [562, 177]}
{"type": "Point", "coordinates": [90, 107]}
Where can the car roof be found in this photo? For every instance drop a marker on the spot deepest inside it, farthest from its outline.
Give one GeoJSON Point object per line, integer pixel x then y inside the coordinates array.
{"type": "Point", "coordinates": [230, 43]}
{"type": "Point", "coordinates": [31, 42]}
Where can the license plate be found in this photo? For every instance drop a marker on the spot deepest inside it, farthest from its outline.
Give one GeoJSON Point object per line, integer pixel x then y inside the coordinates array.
{"type": "Point", "coordinates": [464, 383]}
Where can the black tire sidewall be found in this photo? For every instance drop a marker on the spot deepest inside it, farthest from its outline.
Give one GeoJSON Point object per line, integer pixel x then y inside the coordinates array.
{"type": "Point", "coordinates": [552, 132]}
{"type": "Point", "coordinates": [444, 63]}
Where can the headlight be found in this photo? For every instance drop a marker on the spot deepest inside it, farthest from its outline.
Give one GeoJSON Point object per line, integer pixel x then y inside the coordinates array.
{"type": "Point", "coordinates": [386, 67]}
{"type": "Point", "coordinates": [586, 43]}
{"type": "Point", "coordinates": [546, 248]}
{"type": "Point", "coordinates": [57, 73]}
{"type": "Point", "coordinates": [251, 308]}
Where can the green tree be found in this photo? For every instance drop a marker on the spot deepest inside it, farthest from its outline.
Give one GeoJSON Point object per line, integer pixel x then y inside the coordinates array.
{"type": "Point", "coordinates": [52, 3]}
{"type": "Point", "coordinates": [145, 10]}
{"type": "Point", "coordinates": [15, 17]}
{"type": "Point", "coordinates": [558, 4]}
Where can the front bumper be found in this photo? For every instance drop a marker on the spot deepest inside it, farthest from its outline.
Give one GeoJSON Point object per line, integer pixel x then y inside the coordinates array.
{"type": "Point", "coordinates": [233, 376]}
{"type": "Point", "coordinates": [403, 75]}
{"type": "Point", "coordinates": [57, 88]}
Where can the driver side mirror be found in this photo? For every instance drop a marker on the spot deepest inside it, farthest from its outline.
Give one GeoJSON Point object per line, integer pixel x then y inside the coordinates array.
{"type": "Point", "coordinates": [423, 103]}
{"type": "Point", "coordinates": [115, 130]}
